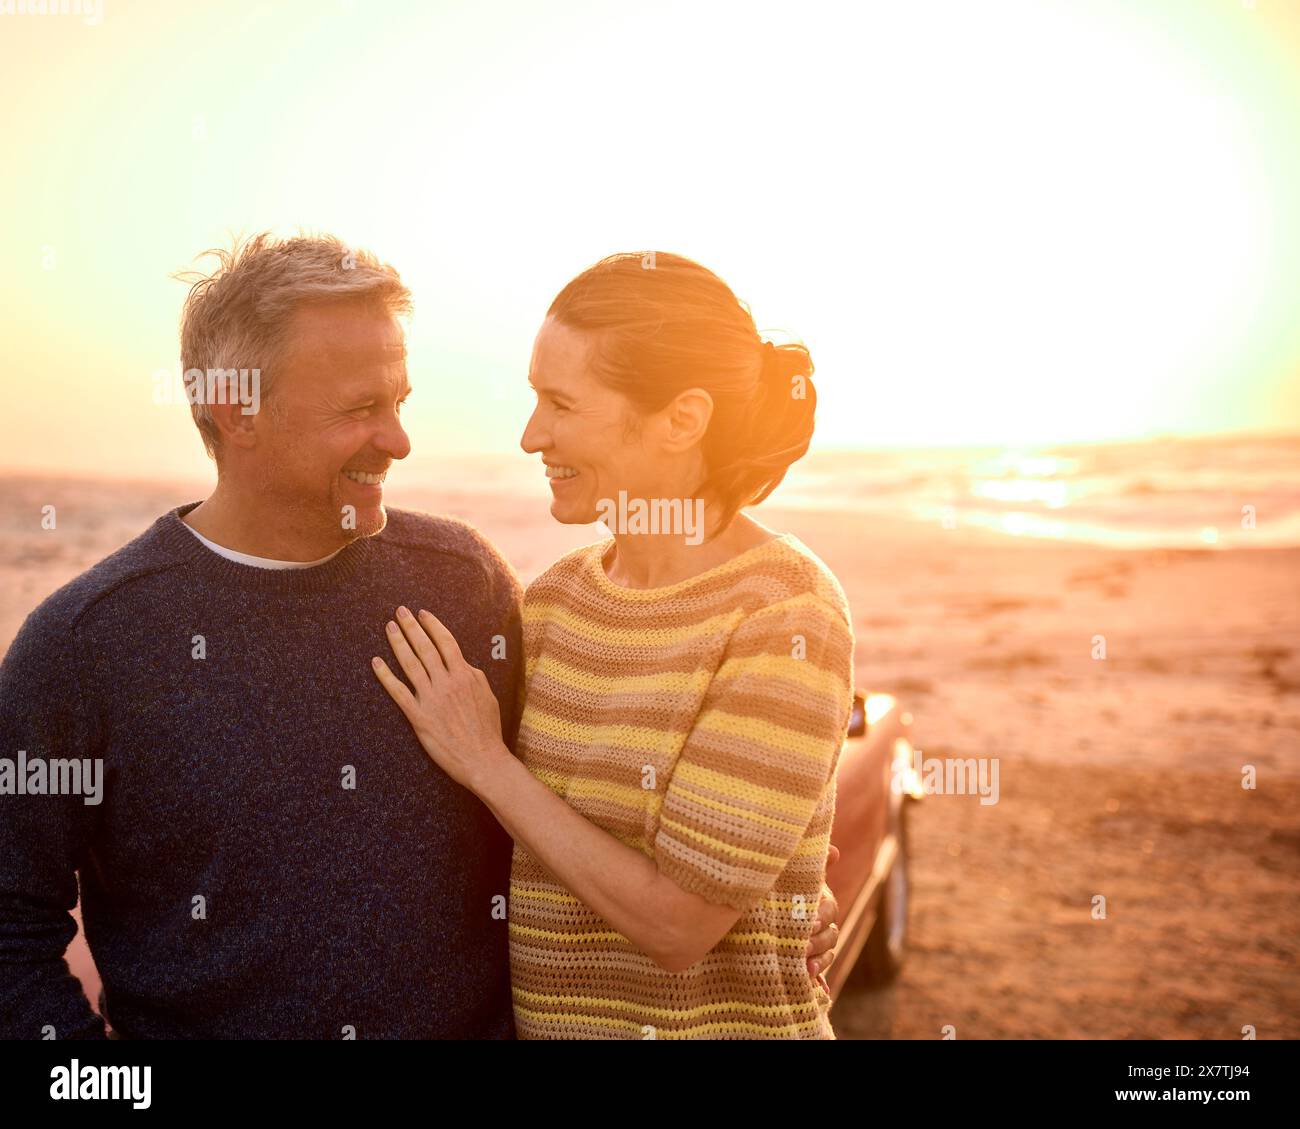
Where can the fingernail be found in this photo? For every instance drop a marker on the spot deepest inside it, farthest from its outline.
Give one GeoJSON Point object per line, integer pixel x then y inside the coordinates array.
{"type": "Point", "coordinates": [374, 661]}
{"type": "Point", "coordinates": [392, 626]}
{"type": "Point", "coordinates": [403, 611]}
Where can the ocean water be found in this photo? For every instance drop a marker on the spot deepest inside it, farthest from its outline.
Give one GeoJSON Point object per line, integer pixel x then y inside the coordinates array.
{"type": "Point", "coordinates": [1221, 491]}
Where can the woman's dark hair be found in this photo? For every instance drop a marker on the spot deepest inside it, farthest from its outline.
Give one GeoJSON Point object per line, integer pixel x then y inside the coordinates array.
{"type": "Point", "coordinates": [661, 324]}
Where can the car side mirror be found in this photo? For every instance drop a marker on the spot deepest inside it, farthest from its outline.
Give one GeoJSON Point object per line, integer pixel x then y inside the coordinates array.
{"type": "Point", "coordinates": [858, 718]}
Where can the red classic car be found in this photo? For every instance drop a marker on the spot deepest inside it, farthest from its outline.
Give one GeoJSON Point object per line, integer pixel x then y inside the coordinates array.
{"type": "Point", "coordinates": [876, 784]}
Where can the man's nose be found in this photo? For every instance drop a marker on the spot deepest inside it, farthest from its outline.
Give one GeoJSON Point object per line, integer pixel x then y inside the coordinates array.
{"type": "Point", "coordinates": [393, 440]}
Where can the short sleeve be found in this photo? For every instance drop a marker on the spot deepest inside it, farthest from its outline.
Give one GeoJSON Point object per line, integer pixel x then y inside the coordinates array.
{"type": "Point", "coordinates": [762, 754]}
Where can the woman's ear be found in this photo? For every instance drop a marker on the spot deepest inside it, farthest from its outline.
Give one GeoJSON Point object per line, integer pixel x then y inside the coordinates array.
{"type": "Point", "coordinates": [687, 419]}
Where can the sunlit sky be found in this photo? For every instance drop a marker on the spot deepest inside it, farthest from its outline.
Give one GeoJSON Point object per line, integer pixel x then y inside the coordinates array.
{"type": "Point", "coordinates": [1012, 221]}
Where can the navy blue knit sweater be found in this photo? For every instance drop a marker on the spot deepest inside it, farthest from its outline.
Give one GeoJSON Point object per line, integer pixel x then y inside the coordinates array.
{"type": "Point", "coordinates": [232, 886]}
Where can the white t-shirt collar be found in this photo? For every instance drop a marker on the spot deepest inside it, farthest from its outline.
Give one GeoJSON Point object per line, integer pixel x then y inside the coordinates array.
{"type": "Point", "coordinates": [256, 562]}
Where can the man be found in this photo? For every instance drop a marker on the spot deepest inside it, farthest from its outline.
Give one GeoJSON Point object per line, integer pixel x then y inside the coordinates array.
{"type": "Point", "coordinates": [274, 855]}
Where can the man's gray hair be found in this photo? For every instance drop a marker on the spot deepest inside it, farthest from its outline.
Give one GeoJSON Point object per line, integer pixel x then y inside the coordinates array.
{"type": "Point", "coordinates": [238, 316]}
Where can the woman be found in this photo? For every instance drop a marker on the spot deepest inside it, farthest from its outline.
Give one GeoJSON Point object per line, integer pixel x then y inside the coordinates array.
{"type": "Point", "coordinates": [688, 682]}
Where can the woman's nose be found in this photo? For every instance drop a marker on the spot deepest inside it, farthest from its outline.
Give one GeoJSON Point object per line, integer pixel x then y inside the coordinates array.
{"type": "Point", "coordinates": [531, 440]}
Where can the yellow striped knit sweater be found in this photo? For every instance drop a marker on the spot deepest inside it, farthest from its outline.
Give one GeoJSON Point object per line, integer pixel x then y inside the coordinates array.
{"type": "Point", "coordinates": [700, 723]}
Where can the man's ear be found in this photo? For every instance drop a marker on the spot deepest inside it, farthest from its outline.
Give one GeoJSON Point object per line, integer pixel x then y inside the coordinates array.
{"type": "Point", "coordinates": [687, 419]}
{"type": "Point", "coordinates": [235, 425]}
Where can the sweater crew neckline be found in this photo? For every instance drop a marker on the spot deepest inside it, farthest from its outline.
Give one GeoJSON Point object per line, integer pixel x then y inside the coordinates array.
{"type": "Point", "coordinates": [178, 537]}
{"type": "Point", "coordinates": [596, 567]}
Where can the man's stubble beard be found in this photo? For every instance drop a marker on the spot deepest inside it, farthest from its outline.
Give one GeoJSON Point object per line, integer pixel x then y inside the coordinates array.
{"type": "Point", "coordinates": [312, 515]}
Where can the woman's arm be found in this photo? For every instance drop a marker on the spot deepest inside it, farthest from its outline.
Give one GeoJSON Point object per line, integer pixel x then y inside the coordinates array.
{"type": "Point", "coordinates": [456, 718]}
{"type": "Point", "coordinates": [672, 927]}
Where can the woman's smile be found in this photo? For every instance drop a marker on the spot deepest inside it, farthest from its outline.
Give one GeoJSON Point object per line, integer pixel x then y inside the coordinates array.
{"type": "Point", "coordinates": [560, 475]}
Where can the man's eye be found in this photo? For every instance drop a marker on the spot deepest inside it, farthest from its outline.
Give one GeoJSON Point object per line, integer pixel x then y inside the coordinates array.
{"type": "Point", "coordinates": [363, 409]}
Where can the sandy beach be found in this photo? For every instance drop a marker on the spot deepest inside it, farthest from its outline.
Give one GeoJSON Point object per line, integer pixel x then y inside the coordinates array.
{"type": "Point", "coordinates": [1119, 776]}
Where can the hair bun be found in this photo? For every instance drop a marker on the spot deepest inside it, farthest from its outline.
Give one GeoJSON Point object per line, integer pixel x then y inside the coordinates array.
{"type": "Point", "coordinates": [769, 371]}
